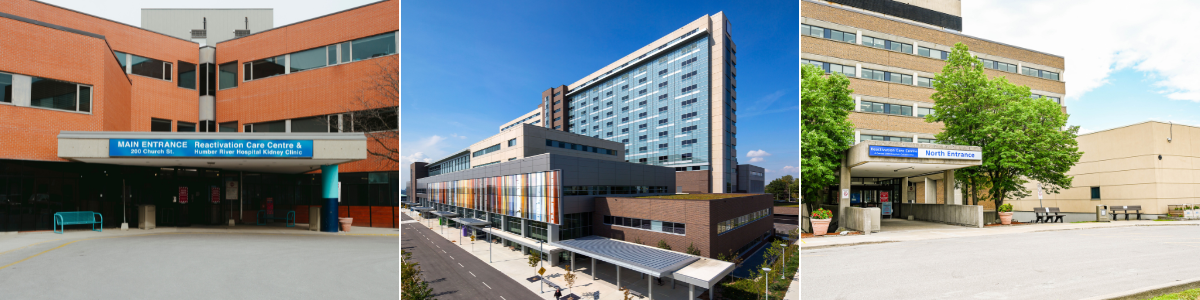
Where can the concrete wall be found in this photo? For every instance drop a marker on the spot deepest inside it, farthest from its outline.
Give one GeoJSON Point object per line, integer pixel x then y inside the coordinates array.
{"type": "Point", "coordinates": [965, 215]}
{"type": "Point", "coordinates": [221, 22]}
{"type": "Point", "coordinates": [858, 218]}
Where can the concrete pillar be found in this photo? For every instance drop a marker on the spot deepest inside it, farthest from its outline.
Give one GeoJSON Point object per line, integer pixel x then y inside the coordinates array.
{"type": "Point", "coordinates": [650, 287]}
{"type": "Point", "coordinates": [618, 276]}
{"type": "Point", "coordinates": [691, 291]}
{"type": "Point", "coordinates": [329, 190]}
{"type": "Point", "coordinates": [843, 189]}
{"type": "Point", "coordinates": [903, 190]}
{"type": "Point", "coordinates": [593, 269]}
{"type": "Point", "coordinates": [948, 185]}
{"type": "Point", "coordinates": [857, 103]}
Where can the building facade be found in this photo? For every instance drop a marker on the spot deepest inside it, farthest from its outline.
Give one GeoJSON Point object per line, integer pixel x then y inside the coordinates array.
{"type": "Point", "coordinates": [208, 26]}
{"type": "Point", "coordinates": [671, 103]}
{"type": "Point", "coordinates": [73, 72]}
{"type": "Point", "coordinates": [713, 226]}
{"type": "Point", "coordinates": [890, 53]}
{"type": "Point", "coordinates": [751, 179]}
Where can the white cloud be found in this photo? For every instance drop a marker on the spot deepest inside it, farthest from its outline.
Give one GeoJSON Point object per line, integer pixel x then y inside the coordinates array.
{"type": "Point", "coordinates": [415, 157]}
{"type": "Point", "coordinates": [457, 136]}
{"type": "Point", "coordinates": [789, 169]}
{"type": "Point", "coordinates": [1097, 38]}
{"type": "Point", "coordinates": [757, 153]}
{"type": "Point", "coordinates": [756, 159]}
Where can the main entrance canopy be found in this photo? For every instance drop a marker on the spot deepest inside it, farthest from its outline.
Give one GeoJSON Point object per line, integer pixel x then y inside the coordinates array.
{"type": "Point", "coordinates": [240, 151]}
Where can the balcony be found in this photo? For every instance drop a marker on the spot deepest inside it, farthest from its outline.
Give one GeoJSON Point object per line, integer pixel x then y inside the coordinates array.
{"type": "Point", "coordinates": [733, 81]}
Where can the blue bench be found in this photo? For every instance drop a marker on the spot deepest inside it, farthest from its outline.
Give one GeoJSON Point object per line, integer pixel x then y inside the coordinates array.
{"type": "Point", "coordinates": [289, 218]}
{"type": "Point", "coordinates": [61, 219]}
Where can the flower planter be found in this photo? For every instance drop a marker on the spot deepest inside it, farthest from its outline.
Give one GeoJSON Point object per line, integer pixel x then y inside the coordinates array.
{"type": "Point", "coordinates": [346, 223]}
{"type": "Point", "coordinates": [820, 226]}
{"type": "Point", "coordinates": [1006, 218]}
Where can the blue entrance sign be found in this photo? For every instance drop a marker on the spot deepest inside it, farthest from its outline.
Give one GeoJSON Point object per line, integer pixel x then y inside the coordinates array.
{"type": "Point", "coordinates": [891, 151]}
{"type": "Point", "coordinates": [923, 153]}
{"type": "Point", "coordinates": [210, 148]}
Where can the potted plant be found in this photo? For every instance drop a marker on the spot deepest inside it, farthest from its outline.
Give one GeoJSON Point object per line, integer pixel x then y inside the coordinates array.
{"type": "Point", "coordinates": [1005, 211]}
{"type": "Point", "coordinates": [820, 221]}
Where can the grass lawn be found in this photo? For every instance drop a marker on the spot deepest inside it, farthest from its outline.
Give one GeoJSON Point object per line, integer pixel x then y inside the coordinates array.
{"type": "Point", "coordinates": [1188, 294]}
{"type": "Point", "coordinates": [696, 196]}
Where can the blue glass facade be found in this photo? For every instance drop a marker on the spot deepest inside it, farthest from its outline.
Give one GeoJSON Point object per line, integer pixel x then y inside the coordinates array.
{"type": "Point", "coordinates": [453, 164]}
{"type": "Point", "coordinates": [657, 106]}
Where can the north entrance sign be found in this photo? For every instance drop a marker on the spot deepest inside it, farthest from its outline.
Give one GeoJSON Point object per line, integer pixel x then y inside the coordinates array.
{"type": "Point", "coordinates": [210, 148]}
{"type": "Point", "coordinates": [923, 153]}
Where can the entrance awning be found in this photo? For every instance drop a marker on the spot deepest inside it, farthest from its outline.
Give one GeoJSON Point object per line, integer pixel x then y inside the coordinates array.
{"type": "Point", "coordinates": [445, 213]}
{"type": "Point", "coordinates": [236, 151]}
{"type": "Point", "coordinates": [884, 159]}
{"type": "Point", "coordinates": [528, 242]}
{"type": "Point", "coordinates": [409, 203]}
{"type": "Point", "coordinates": [471, 222]}
{"type": "Point", "coordinates": [641, 258]}
{"type": "Point", "coordinates": [422, 208]}
{"type": "Point", "coordinates": [704, 272]}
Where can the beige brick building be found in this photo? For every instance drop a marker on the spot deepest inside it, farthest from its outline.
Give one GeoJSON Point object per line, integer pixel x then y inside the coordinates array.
{"type": "Point", "coordinates": [890, 53]}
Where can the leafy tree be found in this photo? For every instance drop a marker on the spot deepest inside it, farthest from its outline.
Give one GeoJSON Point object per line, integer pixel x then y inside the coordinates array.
{"type": "Point", "coordinates": [782, 186]}
{"type": "Point", "coordinates": [534, 258]}
{"type": "Point", "coordinates": [413, 285]}
{"type": "Point", "coordinates": [1022, 138]}
{"type": "Point", "coordinates": [569, 277]}
{"type": "Point", "coordinates": [825, 130]}
{"type": "Point", "coordinates": [663, 245]}
{"type": "Point", "coordinates": [692, 249]}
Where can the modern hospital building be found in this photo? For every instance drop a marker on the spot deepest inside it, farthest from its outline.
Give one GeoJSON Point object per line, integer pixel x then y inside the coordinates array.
{"type": "Point", "coordinates": [890, 51]}
{"type": "Point", "coordinates": [594, 170]}
{"type": "Point", "coordinates": [206, 115]}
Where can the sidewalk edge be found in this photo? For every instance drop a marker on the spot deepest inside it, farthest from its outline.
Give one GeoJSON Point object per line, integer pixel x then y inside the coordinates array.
{"type": "Point", "coordinates": [1152, 291]}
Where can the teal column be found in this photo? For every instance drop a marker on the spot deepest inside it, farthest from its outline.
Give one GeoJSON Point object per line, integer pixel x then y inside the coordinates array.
{"type": "Point", "coordinates": [329, 191]}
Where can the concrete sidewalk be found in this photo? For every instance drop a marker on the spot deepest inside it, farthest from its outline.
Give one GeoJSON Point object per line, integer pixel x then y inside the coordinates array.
{"type": "Point", "coordinates": [942, 231]}
{"type": "Point", "coordinates": [13, 241]}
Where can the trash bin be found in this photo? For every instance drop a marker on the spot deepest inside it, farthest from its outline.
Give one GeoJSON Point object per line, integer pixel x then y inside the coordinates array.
{"type": "Point", "coordinates": [1102, 214]}
{"type": "Point", "coordinates": [146, 218]}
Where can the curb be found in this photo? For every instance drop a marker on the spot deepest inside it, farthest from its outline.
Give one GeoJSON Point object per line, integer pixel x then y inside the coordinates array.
{"type": "Point", "coordinates": [1152, 291]}
{"type": "Point", "coordinates": [1041, 230]}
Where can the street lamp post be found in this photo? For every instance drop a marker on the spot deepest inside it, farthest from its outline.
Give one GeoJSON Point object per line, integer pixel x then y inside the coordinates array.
{"type": "Point", "coordinates": [542, 265]}
{"type": "Point", "coordinates": [766, 286]}
{"type": "Point", "coordinates": [784, 260]}
{"type": "Point", "coordinates": [489, 244]}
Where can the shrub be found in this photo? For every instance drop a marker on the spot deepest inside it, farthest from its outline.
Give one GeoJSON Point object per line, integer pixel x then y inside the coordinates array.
{"type": "Point", "coordinates": [692, 249]}
{"type": "Point", "coordinates": [822, 214]}
{"type": "Point", "coordinates": [1005, 208]}
{"type": "Point", "coordinates": [662, 244]}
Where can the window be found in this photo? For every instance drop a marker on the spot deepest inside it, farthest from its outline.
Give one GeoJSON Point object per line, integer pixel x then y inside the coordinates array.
{"type": "Point", "coordinates": [995, 65]}
{"type": "Point", "coordinates": [312, 124]}
{"type": "Point", "coordinates": [891, 109]}
{"type": "Point", "coordinates": [686, 156]}
{"type": "Point", "coordinates": [182, 126]}
{"type": "Point", "coordinates": [228, 127]}
{"type": "Point", "coordinates": [1055, 99]}
{"type": "Point", "coordinates": [6, 84]}
{"type": "Point", "coordinates": [832, 68]}
{"type": "Point", "coordinates": [932, 53]}
{"type": "Point", "coordinates": [642, 92]}
{"type": "Point", "coordinates": [308, 59]}
{"type": "Point", "coordinates": [642, 149]}
{"type": "Point", "coordinates": [374, 46]}
{"type": "Point", "coordinates": [662, 133]}
{"type": "Point", "coordinates": [662, 84]}
{"type": "Point", "coordinates": [610, 134]}
{"type": "Point", "coordinates": [642, 160]}
{"type": "Point", "coordinates": [276, 126]}
{"type": "Point", "coordinates": [643, 80]}
{"type": "Point", "coordinates": [686, 143]}
{"type": "Point", "coordinates": [865, 137]}
{"type": "Point", "coordinates": [662, 158]}
{"type": "Point", "coordinates": [662, 109]}
{"type": "Point", "coordinates": [688, 89]}
{"type": "Point", "coordinates": [625, 141]}
{"type": "Point", "coordinates": [641, 138]}
{"type": "Point", "coordinates": [663, 121]}
{"type": "Point", "coordinates": [50, 93]}
{"type": "Point", "coordinates": [228, 75]}
{"type": "Point", "coordinates": [688, 115]}
{"type": "Point", "coordinates": [624, 87]}
{"type": "Point", "coordinates": [688, 75]}
{"type": "Point", "coordinates": [663, 146]}
{"type": "Point", "coordinates": [923, 111]}
{"type": "Point", "coordinates": [688, 129]}
{"type": "Point", "coordinates": [641, 115]}
{"type": "Point", "coordinates": [624, 130]}
{"type": "Point", "coordinates": [820, 32]}
{"type": "Point", "coordinates": [886, 76]}
{"type": "Point", "coordinates": [208, 79]}
{"type": "Point", "coordinates": [609, 124]}
{"type": "Point", "coordinates": [688, 102]}
{"type": "Point", "coordinates": [624, 119]}
{"type": "Point", "coordinates": [1095, 192]}
{"type": "Point", "coordinates": [886, 44]}
{"type": "Point", "coordinates": [662, 97]}
{"type": "Point", "coordinates": [926, 141]}
{"type": "Point", "coordinates": [150, 67]}
{"type": "Point", "coordinates": [487, 150]}
{"type": "Point", "coordinates": [187, 75]}
{"type": "Point", "coordinates": [264, 68]}
{"type": "Point", "coordinates": [160, 125]}
{"type": "Point", "coordinates": [642, 126]}
{"type": "Point", "coordinates": [687, 62]}
{"type": "Point", "coordinates": [925, 82]}
{"type": "Point", "coordinates": [1039, 73]}
{"type": "Point", "coordinates": [512, 142]}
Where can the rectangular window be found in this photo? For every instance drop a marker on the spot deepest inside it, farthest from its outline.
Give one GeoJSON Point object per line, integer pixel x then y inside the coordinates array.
{"type": "Point", "coordinates": [267, 67]}
{"type": "Point", "coordinates": [182, 126]}
{"type": "Point", "coordinates": [6, 84]}
{"type": "Point", "coordinates": [512, 142]}
{"type": "Point", "coordinates": [927, 141]}
{"type": "Point", "coordinates": [312, 124]}
{"type": "Point", "coordinates": [374, 46]}
{"type": "Point", "coordinates": [885, 108]}
{"type": "Point", "coordinates": [933, 53]}
{"type": "Point", "coordinates": [276, 126]}
{"type": "Point", "coordinates": [120, 59]}
{"type": "Point", "coordinates": [308, 59]}
{"type": "Point", "coordinates": [208, 79]}
{"type": "Point", "coordinates": [487, 150]}
{"type": "Point", "coordinates": [150, 67]}
{"type": "Point", "coordinates": [872, 74]}
{"type": "Point", "coordinates": [821, 32]}
{"type": "Point", "coordinates": [228, 126]}
{"type": "Point", "coordinates": [1095, 192]}
{"type": "Point", "coordinates": [886, 44]}
{"type": "Point", "coordinates": [49, 93]}
{"type": "Point", "coordinates": [865, 137]}
{"type": "Point", "coordinates": [923, 111]}
{"type": "Point", "coordinates": [228, 75]}
{"type": "Point", "coordinates": [160, 125]}
{"type": "Point", "coordinates": [1039, 73]}
{"type": "Point", "coordinates": [187, 75]}
{"type": "Point", "coordinates": [925, 82]}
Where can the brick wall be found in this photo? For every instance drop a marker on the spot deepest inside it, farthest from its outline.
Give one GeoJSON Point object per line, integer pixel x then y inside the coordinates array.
{"type": "Point", "coordinates": [700, 217]}
{"type": "Point", "coordinates": [693, 182]}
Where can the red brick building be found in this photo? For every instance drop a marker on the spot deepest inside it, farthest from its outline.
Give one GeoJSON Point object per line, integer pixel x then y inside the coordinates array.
{"type": "Point", "coordinates": [729, 224]}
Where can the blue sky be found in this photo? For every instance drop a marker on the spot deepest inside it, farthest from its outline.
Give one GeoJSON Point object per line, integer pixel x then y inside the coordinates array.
{"type": "Point", "coordinates": [468, 68]}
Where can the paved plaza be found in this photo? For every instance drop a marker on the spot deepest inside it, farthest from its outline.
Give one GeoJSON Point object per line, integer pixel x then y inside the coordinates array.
{"type": "Point", "coordinates": [242, 262]}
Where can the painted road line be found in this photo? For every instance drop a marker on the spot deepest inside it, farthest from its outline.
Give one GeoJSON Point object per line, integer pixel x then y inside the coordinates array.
{"type": "Point", "coordinates": [485, 284]}
{"type": "Point", "coordinates": [27, 246]}
{"type": "Point", "coordinates": [502, 298]}
{"type": "Point", "coordinates": [460, 265]}
{"type": "Point", "coordinates": [472, 274]}
{"type": "Point", "coordinates": [444, 251]}
{"type": "Point", "coordinates": [451, 256]}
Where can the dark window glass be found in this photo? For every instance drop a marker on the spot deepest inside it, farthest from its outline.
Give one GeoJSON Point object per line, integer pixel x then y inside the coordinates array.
{"type": "Point", "coordinates": [187, 75]}
{"type": "Point", "coordinates": [374, 46]}
{"type": "Point", "coordinates": [228, 127]}
{"type": "Point", "coordinates": [160, 125]}
{"type": "Point", "coordinates": [308, 59]}
{"type": "Point", "coordinates": [680, 228]}
{"type": "Point", "coordinates": [637, 223]}
{"type": "Point", "coordinates": [182, 126]}
{"type": "Point", "coordinates": [120, 59]}
{"type": "Point", "coordinates": [607, 219]}
{"type": "Point", "coordinates": [313, 124]}
{"type": "Point", "coordinates": [331, 57]}
{"type": "Point", "coordinates": [228, 76]}
{"type": "Point", "coordinates": [6, 84]}
{"type": "Point", "coordinates": [345, 52]}
{"type": "Point", "coordinates": [277, 126]}
{"type": "Point", "coordinates": [55, 94]}
{"type": "Point", "coordinates": [1095, 192]}
{"type": "Point", "coordinates": [268, 67]}
{"type": "Point", "coordinates": [150, 67]}
{"type": "Point", "coordinates": [208, 79]}
{"type": "Point", "coordinates": [85, 98]}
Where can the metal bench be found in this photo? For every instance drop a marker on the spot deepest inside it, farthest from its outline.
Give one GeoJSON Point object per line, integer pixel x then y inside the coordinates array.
{"type": "Point", "coordinates": [289, 218]}
{"type": "Point", "coordinates": [61, 219]}
{"type": "Point", "coordinates": [1125, 209]}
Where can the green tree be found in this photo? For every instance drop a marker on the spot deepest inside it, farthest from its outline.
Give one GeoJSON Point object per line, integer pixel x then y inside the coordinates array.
{"type": "Point", "coordinates": [1022, 138]}
{"type": "Point", "coordinates": [662, 244]}
{"type": "Point", "coordinates": [534, 258]}
{"type": "Point", "coordinates": [413, 285]}
{"type": "Point", "coordinates": [825, 130]}
{"type": "Point", "coordinates": [692, 249]}
{"type": "Point", "coordinates": [780, 187]}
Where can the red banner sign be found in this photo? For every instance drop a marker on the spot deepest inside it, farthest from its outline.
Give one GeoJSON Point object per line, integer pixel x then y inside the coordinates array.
{"type": "Point", "coordinates": [183, 195]}
{"type": "Point", "coordinates": [216, 195]}
{"type": "Point", "coordinates": [883, 197]}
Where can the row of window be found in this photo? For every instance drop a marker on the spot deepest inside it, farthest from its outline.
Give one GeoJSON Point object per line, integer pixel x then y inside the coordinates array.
{"type": "Point", "coordinates": [735, 223]}
{"type": "Point", "coordinates": [356, 50]}
{"type": "Point", "coordinates": [662, 158]}
{"type": "Point", "coordinates": [48, 93]}
{"type": "Point", "coordinates": [164, 125]}
{"type": "Point", "coordinates": [584, 190]}
{"type": "Point", "coordinates": [1052, 98]}
{"type": "Point", "coordinates": [585, 148]}
{"type": "Point", "coordinates": [867, 137]}
{"type": "Point", "coordinates": [832, 67]}
{"type": "Point", "coordinates": [885, 108]}
{"type": "Point", "coordinates": [487, 150]}
{"type": "Point", "coordinates": [659, 61]}
{"type": "Point", "coordinates": [908, 48]}
{"type": "Point", "coordinates": [522, 121]}
{"type": "Point", "coordinates": [148, 67]}
{"type": "Point", "coordinates": [651, 225]}
{"type": "Point", "coordinates": [374, 120]}
{"type": "Point", "coordinates": [887, 76]}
